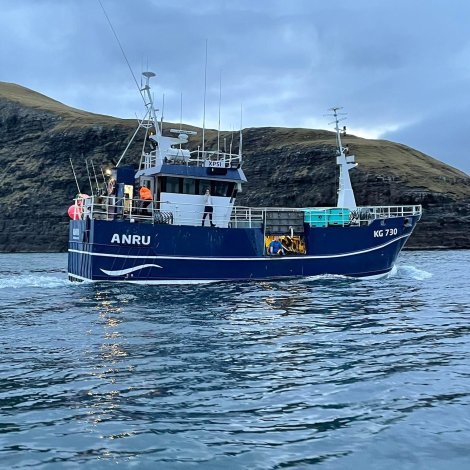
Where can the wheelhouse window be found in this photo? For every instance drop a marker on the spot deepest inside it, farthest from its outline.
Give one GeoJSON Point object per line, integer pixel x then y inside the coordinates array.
{"type": "Point", "coordinates": [203, 185]}
{"type": "Point", "coordinates": [222, 188]}
{"type": "Point", "coordinates": [172, 185]}
{"type": "Point", "coordinates": [189, 186]}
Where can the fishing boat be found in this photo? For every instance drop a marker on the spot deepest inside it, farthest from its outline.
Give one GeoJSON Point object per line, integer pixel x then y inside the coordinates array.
{"type": "Point", "coordinates": [175, 219]}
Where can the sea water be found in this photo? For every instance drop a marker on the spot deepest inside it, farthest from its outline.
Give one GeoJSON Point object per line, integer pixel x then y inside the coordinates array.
{"type": "Point", "coordinates": [322, 372]}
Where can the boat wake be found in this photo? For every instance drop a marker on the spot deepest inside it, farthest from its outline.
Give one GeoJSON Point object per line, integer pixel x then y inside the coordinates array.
{"type": "Point", "coordinates": [323, 277]}
{"type": "Point", "coordinates": [28, 281]}
{"type": "Point", "coordinates": [412, 272]}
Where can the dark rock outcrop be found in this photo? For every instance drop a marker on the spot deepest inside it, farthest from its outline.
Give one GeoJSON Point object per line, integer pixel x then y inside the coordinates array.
{"type": "Point", "coordinates": [284, 167]}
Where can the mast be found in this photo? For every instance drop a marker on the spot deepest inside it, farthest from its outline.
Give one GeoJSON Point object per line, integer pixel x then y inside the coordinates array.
{"type": "Point", "coordinates": [149, 101]}
{"type": "Point", "coordinates": [150, 114]}
{"type": "Point", "coordinates": [346, 162]}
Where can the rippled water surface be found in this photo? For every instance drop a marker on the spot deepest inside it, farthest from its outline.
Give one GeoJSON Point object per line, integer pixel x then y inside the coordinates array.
{"type": "Point", "coordinates": [325, 372]}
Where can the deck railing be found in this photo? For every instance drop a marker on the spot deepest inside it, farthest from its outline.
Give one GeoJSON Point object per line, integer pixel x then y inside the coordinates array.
{"type": "Point", "coordinates": [252, 217]}
{"type": "Point", "coordinates": [206, 158]}
{"type": "Point", "coordinates": [136, 210]}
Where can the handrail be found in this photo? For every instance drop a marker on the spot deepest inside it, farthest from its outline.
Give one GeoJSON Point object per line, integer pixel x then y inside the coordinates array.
{"type": "Point", "coordinates": [136, 210]}
{"type": "Point", "coordinates": [204, 158]}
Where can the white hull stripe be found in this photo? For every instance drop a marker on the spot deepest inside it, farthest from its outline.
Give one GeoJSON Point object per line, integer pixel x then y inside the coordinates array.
{"type": "Point", "coordinates": [123, 272]}
{"type": "Point", "coordinates": [234, 258]}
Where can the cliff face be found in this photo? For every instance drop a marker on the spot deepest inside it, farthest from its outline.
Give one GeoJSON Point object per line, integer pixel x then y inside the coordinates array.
{"type": "Point", "coordinates": [295, 167]}
{"type": "Point", "coordinates": [284, 167]}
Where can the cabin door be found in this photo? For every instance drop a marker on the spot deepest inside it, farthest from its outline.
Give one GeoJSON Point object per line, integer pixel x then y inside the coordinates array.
{"type": "Point", "coordinates": [148, 182]}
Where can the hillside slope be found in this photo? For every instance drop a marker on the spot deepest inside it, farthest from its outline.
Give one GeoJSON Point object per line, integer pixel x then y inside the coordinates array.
{"type": "Point", "coordinates": [286, 167]}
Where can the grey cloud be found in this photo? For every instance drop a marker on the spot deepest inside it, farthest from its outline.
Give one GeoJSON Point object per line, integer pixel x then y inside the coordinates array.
{"type": "Point", "coordinates": [391, 64]}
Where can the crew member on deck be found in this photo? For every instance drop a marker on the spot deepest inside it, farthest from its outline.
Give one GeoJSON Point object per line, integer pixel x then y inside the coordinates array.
{"type": "Point", "coordinates": [111, 199]}
{"type": "Point", "coordinates": [111, 188]}
{"type": "Point", "coordinates": [276, 248]}
{"type": "Point", "coordinates": [208, 209]}
{"type": "Point", "coordinates": [145, 196]}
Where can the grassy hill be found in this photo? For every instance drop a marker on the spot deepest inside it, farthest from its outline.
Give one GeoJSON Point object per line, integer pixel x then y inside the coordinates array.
{"type": "Point", "coordinates": [287, 167]}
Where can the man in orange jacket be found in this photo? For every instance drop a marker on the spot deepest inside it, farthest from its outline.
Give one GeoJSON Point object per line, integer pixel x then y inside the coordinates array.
{"type": "Point", "coordinates": [146, 197]}
{"type": "Point", "coordinates": [145, 193]}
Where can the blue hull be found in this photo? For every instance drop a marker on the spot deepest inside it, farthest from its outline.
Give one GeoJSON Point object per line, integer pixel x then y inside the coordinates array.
{"type": "Point", "coordinates": [122, 251]}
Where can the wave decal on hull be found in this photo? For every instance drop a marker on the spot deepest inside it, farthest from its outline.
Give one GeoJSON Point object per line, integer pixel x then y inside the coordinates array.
{"type": "Point", "coordinates": [123, 272]}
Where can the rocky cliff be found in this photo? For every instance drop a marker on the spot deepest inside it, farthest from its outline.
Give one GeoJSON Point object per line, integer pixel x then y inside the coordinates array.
{"type": "Point", "coordinates": [39, 137]}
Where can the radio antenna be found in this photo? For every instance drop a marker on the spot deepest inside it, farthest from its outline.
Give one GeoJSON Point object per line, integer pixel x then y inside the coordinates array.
{"type": "Point", "coordinates": [220, 101]}
{"type": "Point", "coordinates": [181, 110]}
{"type": "Point", "coordinates": [181, 113]}
{"type": "Point", "coordinates": [204, 108]}
{"type": "Point", "coordinates": [94, 173]}
{"type": "Point", "coordinates": [74, 175]}
{"type": "Point", "coordinates": [163, 109]}
{"type": "Point", "coordinates": [241, 131]}
{"type": "Point", "coordinates": [89, 176]}
{"type": "Point", "coordinates": [231, 141]}
{"type": "Point", "coordinates": [122, 50]}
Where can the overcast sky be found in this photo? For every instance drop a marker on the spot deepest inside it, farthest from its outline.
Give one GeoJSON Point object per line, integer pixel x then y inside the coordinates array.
{"type": "Point", "coordinates": [399, 68]}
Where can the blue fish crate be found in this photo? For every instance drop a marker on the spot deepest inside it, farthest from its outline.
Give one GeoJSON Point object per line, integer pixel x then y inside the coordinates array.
{"type": "Point", "coordinates": [338, 216]}
{"type": "Point", "coordinates": [316, 217]}
{"type": "Point", "coordinates": [325, 217]}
